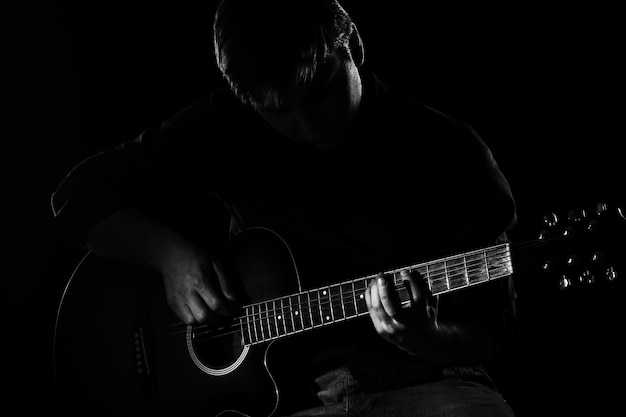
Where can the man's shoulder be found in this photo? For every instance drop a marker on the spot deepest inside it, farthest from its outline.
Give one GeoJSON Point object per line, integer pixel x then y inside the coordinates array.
{"type": "Point", "coordinates": [214, 106]}
{"type": "Point", "coordinates": [410, 111]}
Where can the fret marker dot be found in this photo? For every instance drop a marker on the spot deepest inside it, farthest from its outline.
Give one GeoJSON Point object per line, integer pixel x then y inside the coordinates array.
{"type": "Point", "coordinates": [327, 317]}
{"type": "Point", "coordinates": [324, 292]}
{"type": "Point", "coordinates": [296, 313]}
{"type": "Point", "coordinates": [280, 317]}
{"type": "Point", "coordinates": [361, 296]}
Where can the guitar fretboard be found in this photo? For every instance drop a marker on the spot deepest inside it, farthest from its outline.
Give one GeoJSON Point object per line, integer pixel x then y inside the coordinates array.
{"type": "Point", "coordinates": [287, 315]}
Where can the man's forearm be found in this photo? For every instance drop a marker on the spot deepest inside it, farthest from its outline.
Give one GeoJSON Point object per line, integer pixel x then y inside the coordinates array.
{"type": "Point", "coordinates": [129, 235]}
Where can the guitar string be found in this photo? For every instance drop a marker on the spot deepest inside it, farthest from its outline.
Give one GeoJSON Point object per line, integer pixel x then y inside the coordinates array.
{"type": "Point", "coordinates": [271, 333]}
{"type": "Point", "coordinates": [520, 247]}
{"type": "Point", "coordinates": [265, 316]}
{"type": "Point", "coordinates": [451, 277]}
{"type": "Point", "coordinates": [435, 274]}
{"type": "Point", "coordinates": [326, 301]}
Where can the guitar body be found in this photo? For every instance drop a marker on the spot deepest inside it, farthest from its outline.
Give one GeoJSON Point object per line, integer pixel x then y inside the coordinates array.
{"type": "Point", "coordinates": [120, 350]}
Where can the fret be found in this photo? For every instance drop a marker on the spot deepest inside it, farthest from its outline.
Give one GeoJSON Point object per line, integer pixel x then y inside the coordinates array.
{"type": "Point", "coordinates": [438, 279]}
{"type": "Point", "coordinates": [306, 310]}
{"type": "Point", "coordinates": [258, 322]}
{"type": "Point", "coordinates": [250, 339]}
{"type": "Point", "coordinates": [466, 275]}
{"type": "Point", "coordinates": [245, 340]}
{"type": "Point", "coordinates": [360, 285]}
{"type": "Point", "coordinates": [486, 265]}
{"type": "Point", "coordinates": [477, 269]}
{"type": "Point", "coordinates": [456, 272]}
{"type": "Point", "coordinates": [347, 300]}
{"type": "Point", "coordinates": [285, 306]}
{"type": "Point", "coordinates": [336, 299]}
{"type": "Point", "coordinates": [296, 313]}
{"type": "Point", "coordinates": [315, 308]}
{"type": "Point", "coordinates": [253, 322]}
{"type": "Point", "coordinates": [326, 307]}
{"type": "Point", "coordinates": [279, 318]}
{"type": "Point", "coordinates": [500, 264]}
{"type": "Point", "coordinates": [270, 320]}
{"type": "Point", "coordinates": [427, 276]}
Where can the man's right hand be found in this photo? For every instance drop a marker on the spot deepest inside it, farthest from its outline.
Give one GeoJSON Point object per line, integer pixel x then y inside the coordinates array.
{"type": "Point", "coordinates": [197, 287]}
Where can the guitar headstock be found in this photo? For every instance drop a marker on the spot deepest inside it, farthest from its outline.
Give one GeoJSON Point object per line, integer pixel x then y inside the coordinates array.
{"type": "Point", "coordinates": [584, 246]}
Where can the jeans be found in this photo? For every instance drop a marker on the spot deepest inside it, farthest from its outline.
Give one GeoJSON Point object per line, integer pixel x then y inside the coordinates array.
{"type": "Point", "coordinates": [451, 396]}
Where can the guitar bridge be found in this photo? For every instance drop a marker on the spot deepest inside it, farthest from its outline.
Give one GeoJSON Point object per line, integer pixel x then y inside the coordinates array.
{"type": "Point", "coordinates": [141, 355]}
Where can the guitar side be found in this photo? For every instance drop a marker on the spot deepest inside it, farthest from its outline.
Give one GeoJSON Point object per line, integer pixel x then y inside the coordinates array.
{"type": "Point", "coordinates": [120, 350]}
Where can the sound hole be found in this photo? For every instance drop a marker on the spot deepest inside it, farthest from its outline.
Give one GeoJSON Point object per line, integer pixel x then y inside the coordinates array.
{"type": "Point", "coordinates": [215, 350]}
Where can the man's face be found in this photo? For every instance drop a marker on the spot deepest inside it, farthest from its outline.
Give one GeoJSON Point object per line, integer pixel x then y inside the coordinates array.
{"type": "Point", "coordinates": [321, 114]}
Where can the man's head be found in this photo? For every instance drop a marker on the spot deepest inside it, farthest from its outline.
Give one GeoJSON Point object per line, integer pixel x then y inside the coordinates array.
{"type": "Point", "coordinates": [294, 61]}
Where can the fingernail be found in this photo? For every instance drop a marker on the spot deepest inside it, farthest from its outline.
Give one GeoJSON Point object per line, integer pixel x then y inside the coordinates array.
{"type": "Point", "coordinates": [382, 281]}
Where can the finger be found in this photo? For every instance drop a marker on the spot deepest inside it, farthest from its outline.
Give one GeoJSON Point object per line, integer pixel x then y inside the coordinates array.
{"type": "Point", "coordinates": [421, 294]}
{"type": "Point", "coordinates": [416, 285]}
{"type": "Point", "coordinates": [368, 296]}
{"type": "Point", "coordinates": [377, 310]}
{"type": "Point", "coordinates": [227, 286]}
{"type": "Point", "coordinates": [386, 293]}
{"type": "Point", "coordinates": [184, 313]}
{"type": "Point", "coordinates": [374, 298]}
{"type": "Point", "coordinates": [210, 291]}
{"type": "Point", "coordinates": [200, 311]}
{"type": "Point", "coordinates": [213, 300]}
{"type": "Point", "coordinates": [371, 299]}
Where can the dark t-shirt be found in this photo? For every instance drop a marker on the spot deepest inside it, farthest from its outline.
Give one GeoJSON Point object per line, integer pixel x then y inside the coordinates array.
{"type": "Point", "coordinates": [408, 184]}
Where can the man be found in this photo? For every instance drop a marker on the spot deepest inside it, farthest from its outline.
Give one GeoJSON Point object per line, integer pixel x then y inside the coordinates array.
{"type": "Point", "coordinates": [356, 176]}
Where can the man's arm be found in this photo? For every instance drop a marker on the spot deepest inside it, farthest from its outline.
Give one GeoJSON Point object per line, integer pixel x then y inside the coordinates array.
{"type": "Point", "coordinates": [195, 284]}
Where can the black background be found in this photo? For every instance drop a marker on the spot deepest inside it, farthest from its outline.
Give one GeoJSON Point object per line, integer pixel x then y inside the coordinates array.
{"type": "Point", "coordinates": [542, 85]}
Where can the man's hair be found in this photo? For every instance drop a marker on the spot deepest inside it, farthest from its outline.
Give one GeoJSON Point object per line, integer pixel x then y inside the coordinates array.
{"type": "Point", "coordinates": [265, 47]}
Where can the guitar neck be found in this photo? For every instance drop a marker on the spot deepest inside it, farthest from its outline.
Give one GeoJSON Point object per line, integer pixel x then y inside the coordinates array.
{"type": "Point", "coordinates": [311, 309]}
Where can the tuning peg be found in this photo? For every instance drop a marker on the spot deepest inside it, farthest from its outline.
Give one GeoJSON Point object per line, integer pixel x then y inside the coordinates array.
{"type": "Point", "coordinates": [586, 277]}
{"type": "Point", "coordinates": [564, 282]}
{"type": "Point", "coordinates": [601, 212]}
{"type": "Point", "coordinates": [545, 234]}
{"type": "Point", "coordinates": [598, 257]}
{"type": "Point", "coordinates": [573, 260]}
{"type": "Point", "coordinates": [610, 274]}
{"type": "Point", "coordinates": [576, 215]}
{"type": "Point", "coordinates": [569, 231]}
{"type": "Point", "coordinates": [594, 226]}
{"type": "Point", "coordinates": [601, 209]}
{"type": "Point", "coordinates": [550, 220]}
{"type": "Point", "coordinates": [549, 266]}
{"type": "Point", "coordinates": [621, 212]}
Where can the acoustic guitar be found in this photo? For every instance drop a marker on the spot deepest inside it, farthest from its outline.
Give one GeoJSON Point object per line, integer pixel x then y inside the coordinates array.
{"type": "Point", "coordinates": [120, 350]}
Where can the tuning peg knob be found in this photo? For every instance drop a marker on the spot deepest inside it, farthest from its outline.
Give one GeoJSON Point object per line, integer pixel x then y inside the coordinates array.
{"type": "Point", "coordinates": [569, 231]}
{"type": "Point", "coordinates": [546, 234]}
{"type": "Point", "coordinates": [610, 274]}
{"type": "Point", "coordinates": [601, 209]}
{"type": "Point", "coordinates": [594, 226]}
{"type": "Point", "coordinates": [573, 260]}
{"type": "Point", "coordinates": [598, 257]}
{"type": "Point", "coordinates": [549, 266]}
{"type": "Point", "coordinates": [576, 215]}
{"type": "Point", "coordinates": [551, 220]}
{"type": "Point", "coordinates": [586, 277]}
{"type": "Point", "coordinates": [564, 283]}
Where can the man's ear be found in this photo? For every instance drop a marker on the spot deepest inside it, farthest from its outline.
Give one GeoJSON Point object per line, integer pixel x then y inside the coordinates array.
{"type": "Point", "coordinates": [357, 50]}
